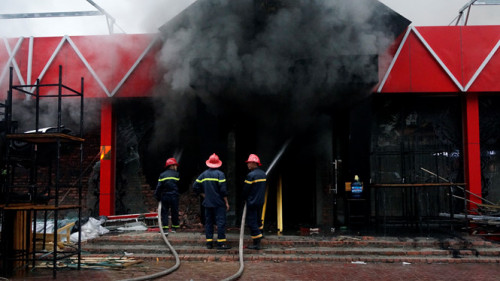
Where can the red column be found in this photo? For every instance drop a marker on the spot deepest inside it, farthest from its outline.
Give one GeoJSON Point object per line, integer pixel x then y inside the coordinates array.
{"type": "Point", "coordinates": [108, 160]}
{"type": "Point", "coordinates": [472, 156]}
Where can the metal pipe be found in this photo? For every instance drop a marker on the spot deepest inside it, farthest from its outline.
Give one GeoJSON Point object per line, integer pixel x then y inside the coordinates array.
{"type": "Point", "coordinates": [473, 217]}
{"type": "Point", "coordinates": [480, 204]}
{"type": "Point", "coordinates": [471, 193]}
{"type": "Point", "coordinates": [263, 215]}
{"type": "Point", "coordinates": [279, 204]}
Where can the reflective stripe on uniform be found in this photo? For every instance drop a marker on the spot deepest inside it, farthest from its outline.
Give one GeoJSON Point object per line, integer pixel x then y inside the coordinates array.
{"type": "Point", "coordinates": [257, 236]}
{"type": "Point", "coordinates": [169, 178]}
{"type": "Point", "coordinates": [259, 180]}
{"type": "Point", "coordinates": [211, 179]}
{"type": "Point", "coordinates": [221, 240]}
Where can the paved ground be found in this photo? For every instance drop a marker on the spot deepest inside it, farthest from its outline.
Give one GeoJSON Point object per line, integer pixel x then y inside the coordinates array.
{"type": "Point", "coordinates": [291, 271]}
{"type": "Point", "coordinates": [277, 271]}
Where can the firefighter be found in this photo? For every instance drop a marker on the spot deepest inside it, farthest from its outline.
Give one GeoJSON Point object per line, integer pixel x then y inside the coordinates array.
{"type": "Point", "coordinates": [168, 193]}
{"type": "Point", "coordinates": [211, 185]}
{"type": "Point", "coordinates": [254, 190]}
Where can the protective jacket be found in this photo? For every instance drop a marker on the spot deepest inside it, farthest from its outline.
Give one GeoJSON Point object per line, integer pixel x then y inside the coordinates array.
{"type": "Point", "coordinates": [167, 184]}
{"type": "Point", "coordinates": [254, 189]}
{"type": "Point", "coordinates": [212, 183]}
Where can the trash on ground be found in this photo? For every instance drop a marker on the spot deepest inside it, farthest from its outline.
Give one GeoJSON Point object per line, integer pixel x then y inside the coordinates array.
{"type": "Point", "coordinates": [90, 230]}
{"type": "Point", "coordinates": [93, 262]}
{"type": "Point", "coordinates": [134, 226]}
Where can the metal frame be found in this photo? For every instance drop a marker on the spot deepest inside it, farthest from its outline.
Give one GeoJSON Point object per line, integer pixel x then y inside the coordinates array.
{"type": "Point", "coordinates": [111, 21]}
{"type": "Point", "coordinates": [468, 7]}
{"type": "Point", "coordinates": [29, 209]}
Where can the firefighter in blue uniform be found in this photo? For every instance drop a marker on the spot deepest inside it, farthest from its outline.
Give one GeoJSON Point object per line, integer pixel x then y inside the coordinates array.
{"type": "Point", "coordinates": [168, 193]}
{"type": "Point", "coordinates": [211, 184]}
{"type": "Point", "coordinates": [254, 190]}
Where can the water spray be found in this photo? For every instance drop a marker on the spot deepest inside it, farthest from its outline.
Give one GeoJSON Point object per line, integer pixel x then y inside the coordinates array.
{"type": "Point", "coordinates": [278, 156]}
{"type": "Point", "coordinates": [178, 154]}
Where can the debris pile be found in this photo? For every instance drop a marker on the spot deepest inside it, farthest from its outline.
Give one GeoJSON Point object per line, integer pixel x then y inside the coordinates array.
{"type": "Point", "coordinates": [93, 262]}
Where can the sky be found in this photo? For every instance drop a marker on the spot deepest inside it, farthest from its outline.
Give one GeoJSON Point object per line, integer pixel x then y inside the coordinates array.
{"type": "Point", "coordinates": [132, 16]}
{"type": "Point", "coordinates": [145, 16]}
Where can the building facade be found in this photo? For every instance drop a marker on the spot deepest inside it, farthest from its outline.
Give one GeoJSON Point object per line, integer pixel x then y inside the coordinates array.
{"type": "Point", "coordinates": [427, 128]}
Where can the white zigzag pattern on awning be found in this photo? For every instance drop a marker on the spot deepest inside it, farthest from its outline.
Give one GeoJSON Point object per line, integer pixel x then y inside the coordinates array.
{"type": "Point", "coordinates": [438, 60]}
{"type": "Point", "coordinates": [65, 39]}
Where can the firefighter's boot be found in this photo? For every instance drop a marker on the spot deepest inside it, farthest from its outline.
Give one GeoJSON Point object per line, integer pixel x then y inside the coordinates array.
{"type": "Point", "coordinates": [223, 246]}
{"type": "Point", "coordinates": [165, 230]}
{"type": "Point", "coordinates": [256, 244]}
{"type": "Point", "coordinates": [210, 245]}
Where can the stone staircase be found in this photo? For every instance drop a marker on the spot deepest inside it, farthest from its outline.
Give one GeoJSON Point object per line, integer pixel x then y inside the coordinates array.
{"type": "Point", "coordinates": [292, 248]}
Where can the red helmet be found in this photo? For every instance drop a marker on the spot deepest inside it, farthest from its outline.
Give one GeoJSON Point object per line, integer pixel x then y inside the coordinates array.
{"type": "Point", "coordinates": [213, 161]}
{"type": "Point", "coordinates": [170, 162]}
{"type": "Point", "coordinates": [253, 158]}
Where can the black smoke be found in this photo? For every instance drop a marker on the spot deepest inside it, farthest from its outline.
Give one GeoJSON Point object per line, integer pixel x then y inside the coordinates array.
{"type": "Point", "coordinates": [312, 53]}
{"type": "Point", "coordinates": [270, 67]}
{"type": "Point", "coordinates": [285, 63]}
{"type": "Point", "coordinates": [246, 76]}
{"type": "Point", "coordinates": [276, 47]}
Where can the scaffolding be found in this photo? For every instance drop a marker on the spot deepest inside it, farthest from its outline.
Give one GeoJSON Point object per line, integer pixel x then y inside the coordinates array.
{"type": "Point", "coordinates": [462, 19]}
{"type": "Point", "coordinates": [22, 247]}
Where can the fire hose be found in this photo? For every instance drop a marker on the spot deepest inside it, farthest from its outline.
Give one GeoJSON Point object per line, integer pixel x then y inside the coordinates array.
{"type": "Point", "coordinates": [177, 260]}
{"type": "Point", "coordinates": [240, 247]}
{"type": "Point", "coordinates": [169, 270]}
{"type": "Point", "coordinates": [243, 217]}
{"type": "Point", "coordinates": [240, 250]}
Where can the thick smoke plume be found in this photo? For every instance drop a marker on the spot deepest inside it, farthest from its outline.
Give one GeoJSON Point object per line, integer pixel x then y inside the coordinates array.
{"type": "Point", "coordinates": [255, 45]}
{"type": "Point", "coordinates": [303, 53]}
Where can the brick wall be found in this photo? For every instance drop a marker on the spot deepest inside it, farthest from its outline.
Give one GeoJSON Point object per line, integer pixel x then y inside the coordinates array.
{"type": "Point", "coordinates": [69, 173]}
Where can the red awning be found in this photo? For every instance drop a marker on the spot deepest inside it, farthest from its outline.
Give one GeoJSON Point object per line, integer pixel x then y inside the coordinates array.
{"type": "Point", "coordinates": [112, 65]}
{"type": "Point", "coordinates": [443, 59]}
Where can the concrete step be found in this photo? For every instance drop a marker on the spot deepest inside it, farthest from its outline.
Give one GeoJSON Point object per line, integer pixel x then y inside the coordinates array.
{"type": "Point", "coordinates": [190, 246]}
{"type": "Point", "coordinates": [304, 251]}
{"type": "Point", "coordinates": [197, 238]}
{"type": "Point", "coordinates": [224, 256]}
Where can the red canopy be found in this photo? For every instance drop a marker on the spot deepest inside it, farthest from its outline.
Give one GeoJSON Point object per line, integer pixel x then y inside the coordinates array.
{"type": "Point", "coordinates": [442, 59]}
{"type": "Point", "coordinates": [111, 65]}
